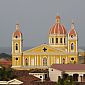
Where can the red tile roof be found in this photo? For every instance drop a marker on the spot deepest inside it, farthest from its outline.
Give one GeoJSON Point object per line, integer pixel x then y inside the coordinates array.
{"type": "Point", "coordinates": [27, 80]}
{"type": "Point", "coordinates": [57, 28]}
{"type": "Point", "coordinates": [64, 67]}
{"type": "Point", "coordinates": [72, 30]}
{"type": "Point", "coordinates": [17, 33]}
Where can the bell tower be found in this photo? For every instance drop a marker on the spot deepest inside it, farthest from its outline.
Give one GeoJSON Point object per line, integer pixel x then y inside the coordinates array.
{"type": "Point", "coordinates": [17, 43]}
{"type": "Point", "coordinates": [73, 43]}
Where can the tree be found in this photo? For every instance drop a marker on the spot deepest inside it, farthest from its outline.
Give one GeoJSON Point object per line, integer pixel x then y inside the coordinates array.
{"type": "Point", "coordinates": [65, 80]}
{"type": "Point", "coordinates": [6, 74]}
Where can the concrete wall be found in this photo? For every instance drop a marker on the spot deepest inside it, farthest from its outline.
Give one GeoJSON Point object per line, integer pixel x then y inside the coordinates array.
{"type": "Point", "coordinates": [53, 74]}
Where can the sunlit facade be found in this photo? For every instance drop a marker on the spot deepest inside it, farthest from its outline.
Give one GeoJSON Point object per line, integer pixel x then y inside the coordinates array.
{"type": "Point", "coordinates": [62, 48]}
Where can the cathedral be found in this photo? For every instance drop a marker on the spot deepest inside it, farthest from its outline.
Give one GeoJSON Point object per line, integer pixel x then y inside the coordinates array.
{"type": "Point", "coordinates": [62, 48]}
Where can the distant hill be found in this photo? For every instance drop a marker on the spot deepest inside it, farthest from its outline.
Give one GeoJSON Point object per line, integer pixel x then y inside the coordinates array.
{"type": "Point", "coordinates": [5, 56]}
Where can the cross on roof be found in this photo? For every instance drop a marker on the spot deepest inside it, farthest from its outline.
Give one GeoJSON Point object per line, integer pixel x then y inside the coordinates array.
{"type": "Point", "coordinates": [44, 49]}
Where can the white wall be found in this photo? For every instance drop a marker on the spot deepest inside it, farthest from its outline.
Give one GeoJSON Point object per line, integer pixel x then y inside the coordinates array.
{"type": "Point", "coordinates": [53, 74]}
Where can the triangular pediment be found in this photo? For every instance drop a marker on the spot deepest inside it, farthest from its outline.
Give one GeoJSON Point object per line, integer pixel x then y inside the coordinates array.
{"type": "Point", "coordinates": [44, 48]}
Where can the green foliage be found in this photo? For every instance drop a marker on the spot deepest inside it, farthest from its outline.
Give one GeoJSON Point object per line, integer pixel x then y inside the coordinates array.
{"type": "Point", "coordinates": [6, 74]}
{"type": "Point", "coordinates": [68, 80]}
{"type": "Point", "coordinates": [5, 56]}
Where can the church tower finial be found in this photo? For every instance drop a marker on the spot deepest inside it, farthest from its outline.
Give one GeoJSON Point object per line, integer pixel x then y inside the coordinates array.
{"type": "Point", "coordinates": [72, 25]}
{"type": "Point", "coordinates": [57, 19]}
{"type": "Point", "coordinates": [17, 27]}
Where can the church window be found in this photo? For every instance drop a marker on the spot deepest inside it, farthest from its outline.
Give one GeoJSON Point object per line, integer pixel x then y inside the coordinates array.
{"type": "Point", "coordinates": [72, 58]}
{"type": "Point", "coordinates": [71, 36]}
{"type": "Point", "coordinates": [52, 40]}
{"type": "Point", "coordinates": [44, 61]}
{"type": "Point", "coordinates": [63, 61]}
{"type": "Point", "coordinates": [56, 40]}
{"type": "Point", "coordinates": [16, 36]}
{"type": "Point", "coordinates": [40, 76]}
{"type": "Point", "coordinates": [72, 46]}
{"type": "Point", "coordinates": [16, 46]}
{"type": "Point", "coordinates": [16, 58]}
{"type": "Point", "coordinates": [26, 61]}
{"type": "Point", "coordinates": [60, 40]}
{"type": "Point", "coordinates": [64, 40]}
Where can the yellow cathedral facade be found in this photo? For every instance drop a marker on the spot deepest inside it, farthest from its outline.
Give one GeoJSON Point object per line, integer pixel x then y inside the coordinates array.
{"type": "Point", "coordinates": [62, 48]}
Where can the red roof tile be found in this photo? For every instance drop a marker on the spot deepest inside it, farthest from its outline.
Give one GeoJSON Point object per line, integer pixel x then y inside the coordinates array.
{"type": "Point", "coordinates": [64, 67]}
{"type": "Point", "coordinates": [72, 30]}
{"type": "Point", "coordinates": [57, 28]}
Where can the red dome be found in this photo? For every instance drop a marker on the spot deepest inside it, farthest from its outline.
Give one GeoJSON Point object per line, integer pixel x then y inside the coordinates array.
{"type": "Point", "coordinates": [72, 30]}
{"type": "Point", "coordinates": [57, 28]}
{"type": "Point", "coordinates": [17, 33]}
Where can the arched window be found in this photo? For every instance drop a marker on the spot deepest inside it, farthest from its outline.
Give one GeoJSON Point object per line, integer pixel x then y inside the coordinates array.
{"type": "Point", "coordinates": [16, 36]}
{"type": "Point", "coordinates": [72, 46]}
{"type": "Point", "coordinates": [63, 61]}
{"type": "Point", "coordinates": [44, 61]}
{"type": "Point", "coordinates": [26, 61]}
{"type": "Point", "coordinates": [60, 40]}
{"type": "Point", "coordinates": [52, 40]}
{"type": "Point", "coordinates": [71, 36]}
{"type": "Point", "coordinates": [16, 46]}
{"type": "Point", "coordinates": [56, 40]}
{"type": "Point", "coordinates": [64, 40]}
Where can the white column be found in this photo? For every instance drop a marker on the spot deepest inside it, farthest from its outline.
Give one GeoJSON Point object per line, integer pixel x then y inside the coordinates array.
{"type": "Point", "coordinates": [23, 61]}
{"type": "Point", "coordinates": [40, 61]}
{"type": "Point", "coordinates": [29, 60]}
{"type": "Point", "coordinates": [54, 40]}
{"type": "Point", "coordinates": [35, 60]}
{"type": "Point", "coordinates": [49, 40]}
{"type": "Point", "coordinates": [79, 78]}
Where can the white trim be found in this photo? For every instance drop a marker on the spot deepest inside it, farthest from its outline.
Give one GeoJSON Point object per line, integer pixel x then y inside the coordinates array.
{"type": "Point", "coordinates": [15, 66]}
{"type": "Point", "coordinates": [57, 35]}
{"type": "Point", "coordinates": [35, 62]}
{"type": "Point", "coordinates": [20, 46]}
{"type": "Point", "coordinates": [23, 60]}
{"type": "Point", "coordinates": [29, 60]}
